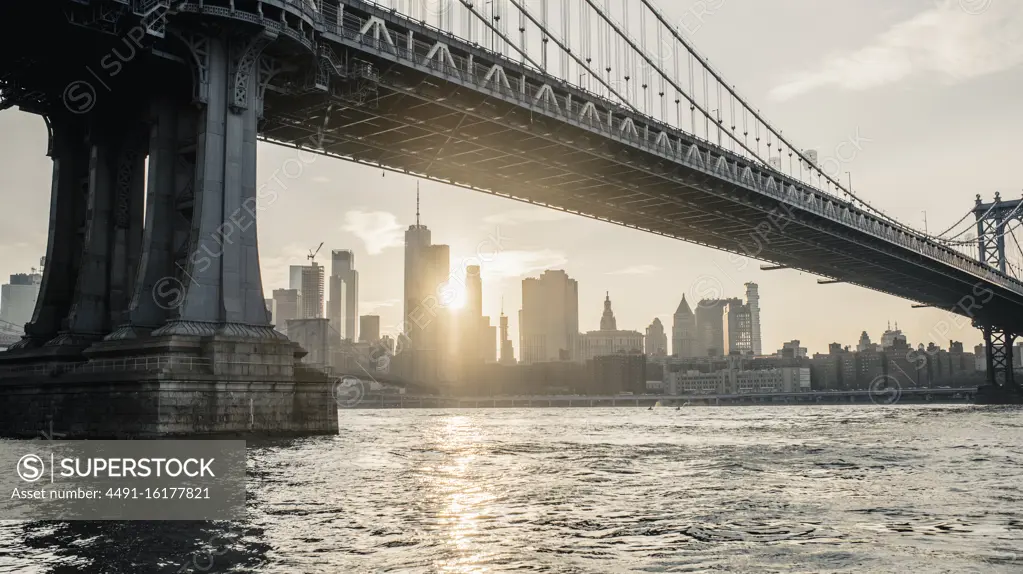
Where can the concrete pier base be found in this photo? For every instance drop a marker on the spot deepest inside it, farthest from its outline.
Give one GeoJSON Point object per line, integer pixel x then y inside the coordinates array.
{"type": "Point", "coordinates": [152, 404]}
{"type": "Point", "coordinates": [166, 386]}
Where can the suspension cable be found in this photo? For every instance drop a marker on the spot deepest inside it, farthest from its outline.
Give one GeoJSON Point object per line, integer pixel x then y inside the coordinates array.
{"type": "Point", "coordinates": [719, 78]}
{"type": "Point", "coordinates": [953, 226]}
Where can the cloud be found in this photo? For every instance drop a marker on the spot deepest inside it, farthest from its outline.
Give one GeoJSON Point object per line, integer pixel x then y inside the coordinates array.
{"type": "Point", "coordinates": [532, 215]}
{"type": "Point", "coordinates": [945, 41]}
{"type": "Point", "coordinates": [274, 265]}
{"type": "Point", "coordinates": [367, 307]}
{"type": "Point", "coordinates": [514, 264]}
{"type": "Point", "coordinates": [636, 270]}
{"type": "Point", "coordinates": [18, 246]}
{"type": "Point", "coordinates": [378, 230]}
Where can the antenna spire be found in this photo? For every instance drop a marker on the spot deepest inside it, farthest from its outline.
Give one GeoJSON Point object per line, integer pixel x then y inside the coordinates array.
{"type": "Point", "coordinates": [417, 204]}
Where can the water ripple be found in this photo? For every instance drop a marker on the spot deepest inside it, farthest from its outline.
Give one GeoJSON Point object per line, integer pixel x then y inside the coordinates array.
{"type": "Point", "coordinates": [777, 489]}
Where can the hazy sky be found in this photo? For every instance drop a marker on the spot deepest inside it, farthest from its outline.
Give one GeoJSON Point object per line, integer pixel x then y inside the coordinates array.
{"type": "Point", "coordinates": [930, 87]}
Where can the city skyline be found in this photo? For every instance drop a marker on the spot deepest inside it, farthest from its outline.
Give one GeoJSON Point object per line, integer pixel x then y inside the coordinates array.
{"type": "Point", "coordinates": [876, 120]}
{"type": "Point", "coordinates": [465, 296]}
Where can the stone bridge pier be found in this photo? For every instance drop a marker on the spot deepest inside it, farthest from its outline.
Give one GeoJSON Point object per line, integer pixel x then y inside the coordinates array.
{"type": "Point", "coordinates": [150, 319]}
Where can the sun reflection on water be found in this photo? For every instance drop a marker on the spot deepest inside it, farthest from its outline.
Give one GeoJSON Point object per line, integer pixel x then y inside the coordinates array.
{"type": "Point", "coordinates": [466, 500]}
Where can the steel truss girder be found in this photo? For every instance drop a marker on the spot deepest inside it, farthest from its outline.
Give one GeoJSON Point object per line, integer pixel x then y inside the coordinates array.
{"type": "Point", "coordinates": [702, 231]}
{"type": "Point", "coordinates": [743, 224]}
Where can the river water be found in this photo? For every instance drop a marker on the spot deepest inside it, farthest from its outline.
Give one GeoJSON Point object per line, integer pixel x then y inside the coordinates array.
{"type": "Point", "coordinates": [907, 489]}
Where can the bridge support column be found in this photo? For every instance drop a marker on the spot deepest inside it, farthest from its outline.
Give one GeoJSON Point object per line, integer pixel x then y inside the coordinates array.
{"type": "Point", "coordinates": [998, 343]}
{"type": "Point", "coordinates": [223, 291]}
{"type": "Point", "coordinates": [159, 289]}
{"type": "Point", "coordinates": [1001, 387]}
{"type": "Point", "coordinates": [113, 236]}
{"type": "Point", "coordinates": [68, 206]}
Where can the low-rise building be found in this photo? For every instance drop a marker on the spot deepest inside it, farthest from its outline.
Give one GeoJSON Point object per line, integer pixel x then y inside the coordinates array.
{"type": "Point", "coordinates": [737, 382]}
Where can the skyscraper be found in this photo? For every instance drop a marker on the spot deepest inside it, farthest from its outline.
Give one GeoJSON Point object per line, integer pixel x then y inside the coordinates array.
{"type": "Point", "coordinates": [478, 337]}
{"type": "Point", "coordinates": [683, 331]}
{"type": "Point", "coordinates": [284, 308]}
{"type": "Point", "coordinates": [489, 345]}
{"type": "Point", "coordinates": [473, 291]}
{"type": "Point", "coordinates": [738, 324]}
{"type": "Point", "coordinates": [753, 300]}
{"type": "Point", "coordinates": [343, 306]}
{"type": "Point", "coordinates": [417, 268]}
{"type": "Point", "coordinates": [369, 328]}
{"type": "Point", "coordinates": [710, 328]}
{"type": "Point", "coordinates": [308, 281]}
{"type": "Point", "coordinates": [426, 320]}
{"type": "Point", "coordinates": [656, 341]}
{"type": "Point", "coordinates": [549, 319]}
{"type": "Point", "coordinates": [507, 352]}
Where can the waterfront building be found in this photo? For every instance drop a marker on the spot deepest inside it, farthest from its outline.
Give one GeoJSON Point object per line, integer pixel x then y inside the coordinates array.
{"type": "Point", "coordinates": [608, 340]}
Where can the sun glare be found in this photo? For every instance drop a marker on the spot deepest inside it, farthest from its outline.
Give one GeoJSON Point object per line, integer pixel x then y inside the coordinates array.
{"type": "Point", "coordinates": [457, 296]}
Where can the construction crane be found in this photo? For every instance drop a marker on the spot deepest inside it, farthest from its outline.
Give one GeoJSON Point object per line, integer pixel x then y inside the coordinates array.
{"type": "Point", "coordinates": [312, 254]}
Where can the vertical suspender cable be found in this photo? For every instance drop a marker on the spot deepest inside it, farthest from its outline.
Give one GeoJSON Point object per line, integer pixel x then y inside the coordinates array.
{"type": "Point", "coordinates": [544, 39]}
{"type": "Point", "coordinates": [619, 63]}
{"type": "Point", "coordinates": [706, 101]}
{"type": "Point", "coordinates": [661, 89]}
{"type": "Point", "coordinates": [498, 41]}
{"type": "Point", "coordinates": [756, 123]}
{"type": "Point", "coordinates": [566, 38]}
{"type": "Point", "coordinates": [731, 103]}
{"type": "Point", "coordinates": [579, 62]}
{"type": "Point", "coordinates": [607, 43]}
{"type": "Point", "coordinates": [646, 69]}
{"type": "Point", "coordinates": [678, 96]}
{"type": "Point", "coordinates": [522, 35]}
{"type": "Point", "coordinates": [587, 45]}
{"type": "Point", "coordinates": [721, 113]}
{"type": "Point", "coordinates": [692, 88]}
{"type": "Point", "coordinates": [628, 53]}
{"type": "Point", "coordinates": [745, 126]}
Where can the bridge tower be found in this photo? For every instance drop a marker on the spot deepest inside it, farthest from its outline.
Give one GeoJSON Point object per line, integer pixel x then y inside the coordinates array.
{"type": "Point", "coordinates": [993, 221]}
{"type": "Point", "coordinates": [153, 322]}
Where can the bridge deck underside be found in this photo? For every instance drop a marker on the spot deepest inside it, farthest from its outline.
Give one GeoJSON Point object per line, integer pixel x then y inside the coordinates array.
{"type": "Point", "coordinates": [418, 123]}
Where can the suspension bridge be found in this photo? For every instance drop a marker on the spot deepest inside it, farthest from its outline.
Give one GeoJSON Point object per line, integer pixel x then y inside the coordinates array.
{"type": "Point", "coordinates": [601, 108]}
